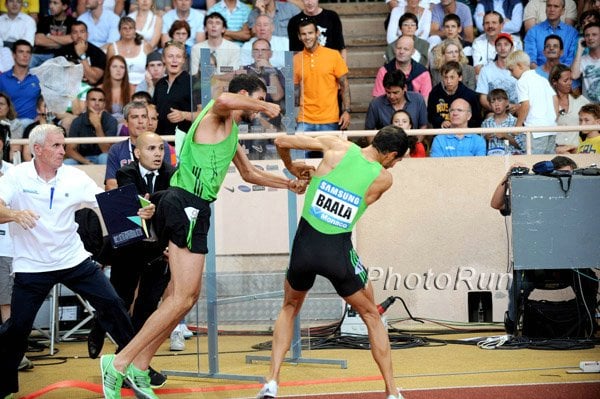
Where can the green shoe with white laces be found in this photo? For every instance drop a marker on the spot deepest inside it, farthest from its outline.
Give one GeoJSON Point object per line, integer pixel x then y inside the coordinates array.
{"type": "Point", "coordinates": [139, 381]}
{"type": "Point", "coordinates": [112, 379]}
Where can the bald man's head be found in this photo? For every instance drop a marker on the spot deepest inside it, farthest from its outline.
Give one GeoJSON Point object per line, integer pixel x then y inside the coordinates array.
{"type": "Point", "coordinates": [150, 150]}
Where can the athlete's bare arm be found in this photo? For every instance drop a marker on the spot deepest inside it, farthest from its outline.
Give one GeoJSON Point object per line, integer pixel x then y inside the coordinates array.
{"type": "Point", "coordinates": [379, 186]}
{"type": "Point", "coordinates": [331, 146]}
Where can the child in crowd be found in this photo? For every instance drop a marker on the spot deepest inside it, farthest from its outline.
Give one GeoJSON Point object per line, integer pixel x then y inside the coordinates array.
{"type": "Point", "coordinates": [401, 118]}
{"type": "Point", "coordinates": [589, 115]}
{"type": "Point", "coordinates": [498, 100]}
{"type": "Point", "coordinates": [538, 100]}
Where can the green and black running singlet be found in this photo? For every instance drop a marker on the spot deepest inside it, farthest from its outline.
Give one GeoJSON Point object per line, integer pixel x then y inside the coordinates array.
{"type": "Point", "coordinates": [203, 167]}
{"type": "Point", "coordinates": [334, 202]}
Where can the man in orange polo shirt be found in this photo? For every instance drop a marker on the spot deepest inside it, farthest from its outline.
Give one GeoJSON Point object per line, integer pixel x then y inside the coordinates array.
{"type": "Point", "coordinates": [318, 73]}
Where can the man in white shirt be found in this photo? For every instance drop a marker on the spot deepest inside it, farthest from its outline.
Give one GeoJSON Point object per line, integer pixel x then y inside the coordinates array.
{"type": "Point", "coordinates": [39, 199]}
{"type": "Point", "coordinates": [226, 52]}
{"type": "Point", "coordinates": [15, 25]}
{"type": "Point", "coordinates": [484, 46]}
{"type": "Point", "coordinates": [102, 24]}
{"type": "Point", "coordinates": [263, 29]}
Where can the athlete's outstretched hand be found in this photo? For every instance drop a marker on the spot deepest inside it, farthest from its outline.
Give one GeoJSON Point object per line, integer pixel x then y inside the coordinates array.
{"type": "Point", "coordinates": [298, 186]}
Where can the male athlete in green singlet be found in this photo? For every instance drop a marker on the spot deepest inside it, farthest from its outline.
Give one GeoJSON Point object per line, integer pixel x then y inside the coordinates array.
{"type": "Point", "coordinates": [347, 180]}
{"type": "Point", "coordinates": [182, 221]}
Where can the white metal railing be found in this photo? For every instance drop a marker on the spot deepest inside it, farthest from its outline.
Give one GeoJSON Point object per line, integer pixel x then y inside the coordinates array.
{"type": "Point", "coordinates": [357, 133]}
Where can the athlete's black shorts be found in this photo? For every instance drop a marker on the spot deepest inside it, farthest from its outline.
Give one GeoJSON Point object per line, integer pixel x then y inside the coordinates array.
{"type": "Point", "coordinates": [329, 255]}
{"type": "Point", "coordinates": [174, 220]}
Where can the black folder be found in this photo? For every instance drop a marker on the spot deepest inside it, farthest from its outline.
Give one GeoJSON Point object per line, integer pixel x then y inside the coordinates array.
{"type": "Point", "coordinates": [119, 209]}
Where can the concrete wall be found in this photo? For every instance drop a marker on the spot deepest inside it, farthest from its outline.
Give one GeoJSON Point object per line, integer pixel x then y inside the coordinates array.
{"type": "Point", "coordinates": [431, 239]}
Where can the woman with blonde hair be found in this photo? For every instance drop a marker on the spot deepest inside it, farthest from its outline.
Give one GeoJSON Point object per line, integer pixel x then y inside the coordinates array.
{"type": "Point", "coordinates": [148, 23]}
{"type": "Point", "coordinates": [132, 48]}
{"type": "Point", "coordinates": [451, 50]}
{"type": "Point", "coordinates": [116, 87]}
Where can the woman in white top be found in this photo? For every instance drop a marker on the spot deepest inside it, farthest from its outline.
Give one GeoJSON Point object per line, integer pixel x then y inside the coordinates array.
{"type": "Point", "coordinates": [568, 108]}
{"type": "Point", "coordinates": [412, 6]}
{"type": "Point", "coordinates": [147, 23]}
{"type": "Point", "coordinates": [133, 48]}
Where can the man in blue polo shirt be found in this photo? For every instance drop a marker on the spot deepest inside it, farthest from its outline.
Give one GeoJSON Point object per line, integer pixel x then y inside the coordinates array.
{"type": "Point", "coordinates": [396, 97]}
{"type": "Point", "coordinates": [535, 37]}
{"type": "Point", "coordinates": [458, 145]}
{"type": "Point", "coordinates": [22, 87]}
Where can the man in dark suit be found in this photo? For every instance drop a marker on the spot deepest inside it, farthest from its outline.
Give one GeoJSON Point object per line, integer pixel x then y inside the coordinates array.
{"type": "Point", "coordinates": [140, 265]}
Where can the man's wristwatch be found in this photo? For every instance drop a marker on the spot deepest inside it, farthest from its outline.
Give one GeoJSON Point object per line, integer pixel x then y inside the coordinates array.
{"type": "Point", "coordinates": [83, 57]}
{"type": "Point", "coordinates": [348, 110]}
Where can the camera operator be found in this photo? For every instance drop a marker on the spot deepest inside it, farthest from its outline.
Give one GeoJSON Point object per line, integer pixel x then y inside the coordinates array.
{"type": "Point", "coordinates": [526, 281]}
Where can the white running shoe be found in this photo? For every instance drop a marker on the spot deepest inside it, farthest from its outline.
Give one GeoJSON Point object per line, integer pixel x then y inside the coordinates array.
{"type": "Point", "coordinates": [187, 333]}
{"type": "Point", "coordinates": [268, 391]}
{"type": "Point", "coordinates": [177, 340]}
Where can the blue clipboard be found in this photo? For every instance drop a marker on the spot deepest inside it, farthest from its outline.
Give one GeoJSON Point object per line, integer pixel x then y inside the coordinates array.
{"type": "Point", "coordinates": [119, 209]}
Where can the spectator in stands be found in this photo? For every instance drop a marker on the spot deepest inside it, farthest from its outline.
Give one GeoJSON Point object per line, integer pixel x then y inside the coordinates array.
{"type": "Point", "coordinates": [587, 5]}
{"type": "Point", "coordinates": [22, 87]}
{"type": "Point", "coordinates": [417, 76]}
{"type": "Point", "coordinates": [408, 26]}
{"type": "Point", "coordinates": [8, 117]}
{"type": "Point", "coordinates": [148, 23]}
{"type": "Point", "coordinates": [225, 51]}
{"type": "Point", "coordinates": [484, 47]}
{"type": "Point", "coordinates": [494, 75]}
{"type": "Point", "coordinates": [155, 69]}
{"type": "Point", "coordinates": [538, 101]}
{"type": "Point", "coordinates": [451, 50]}
{"type": "Point", "coordinates": [502, 143]}
{"type": "Point", "coordinates": [318, 72]}
{"type": "Point", "coordinates": [328, 22]}
{"type": "Point", "coordinates": [15, 25]}
{"type": "Point", "coordinates": [180, 31]}
{"type": "Point", "coordinates": [588, 17]}
{"type": "Point", "coordinates": [269, 74]}
{"type": "Point", "coordinates": [29, 7]}
{"type": "Point", "coordinates": [510, 10]}
{"type": "Point", "coordinates": [458, 145]}
{"type": "Point", "coordinates": [280, 13]}
{"type": "Point", "coordinates": [95, 122]}
{"type": "Point", "coordinates": [445, 92]}
{"type": "Point", "coordinates": [163, 6]}
{"type": "Point", "coordinates": [236, 14]}
{"type": "Point", "coordinates": [85, 53]}
{"type": "Point", "coordinates": [402, 118]}
{"type": "Point", "coordinates": [553, 50]}
{"type": "Point", "coordinates": [117, 87]}
{"type": "Point", "coordinates": [43, 117]}
{"type": "Point", "coordinates": [153, 122]}
{"type": "Point", "coordinates": [115, 6]}
{"type": "Point", "coordinates": [445, 7]}
{"type": "Point", "coordinates": [263, 29]}
{"type": "Point", "coordinates": [396, 97]}
{"type": "Point", "coordinates": [172, 93]}
{"type": "Point", "coordinates": [535, 12]}
{"type": "Point", "coordinates": [183, 11]}
{"type": "Point", "coordinates": [588, 66]}
{"type": "Point", "coordinates": [422, 20]}
{"type": "Point", "coordinates": [534, 39]}
{"type": "Point", "coordinates": [589, 115]}
{"type": "Point", "coordinates": [132, 47]}
{"type": "Point", "coordinates": [48, 250]}
{"type": "Point", "coordinates": [53, 32]}
{"type": "Point", "coordinates": [452, 30]}
{"type": "Point", "coordinates": [102, 24]}
{"type": "Point", "coordinates": [569, 105]}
